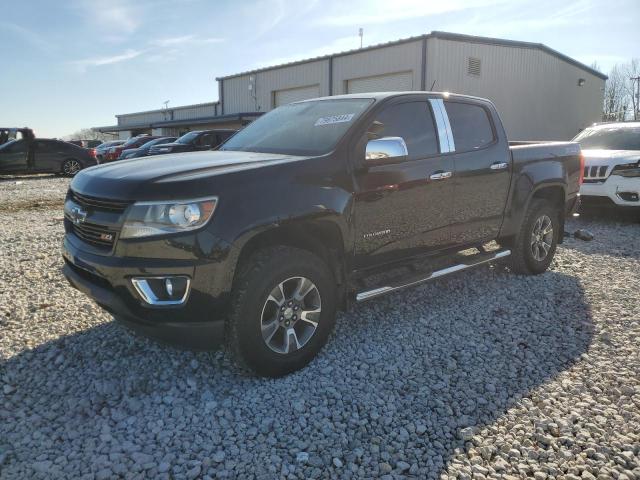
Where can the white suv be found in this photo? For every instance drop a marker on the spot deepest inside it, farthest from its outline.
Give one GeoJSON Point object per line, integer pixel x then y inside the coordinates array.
{"type": "Point", "coordinates": [611, 164]}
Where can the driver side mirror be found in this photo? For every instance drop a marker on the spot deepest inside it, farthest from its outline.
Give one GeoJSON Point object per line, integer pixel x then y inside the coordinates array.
{"type": "Point", "coordinates": [386, 150]}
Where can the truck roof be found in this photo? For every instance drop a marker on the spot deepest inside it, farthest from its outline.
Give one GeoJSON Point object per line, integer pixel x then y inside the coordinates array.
{"type": "Point", "coordinates": [383, 95]}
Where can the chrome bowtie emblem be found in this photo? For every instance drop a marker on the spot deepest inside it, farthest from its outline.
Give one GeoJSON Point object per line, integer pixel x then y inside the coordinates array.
{"type": "Point", "coordinates": [78, 215]}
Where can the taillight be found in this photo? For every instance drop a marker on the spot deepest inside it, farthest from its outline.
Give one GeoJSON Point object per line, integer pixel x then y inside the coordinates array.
{"type": "Point", "coordinates": [581, 177]}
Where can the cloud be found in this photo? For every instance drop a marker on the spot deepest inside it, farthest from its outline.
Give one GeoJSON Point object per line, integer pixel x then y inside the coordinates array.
{"type": "Point", "coordinates": [184, 40]}
{"type": "Point", "coordinates": [380, 12]}
{"type": "Point", "coordinates": [110, 60]}
{"type": "Point", "coordinates": [113, 18]}
{"type": "Point", "coordinates": [32, 38]}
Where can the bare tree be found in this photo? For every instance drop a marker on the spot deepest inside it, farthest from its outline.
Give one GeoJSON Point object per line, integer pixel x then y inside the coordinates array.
{"type": "Point", "coordinates": [88, 134]}
{"type": "Point", "coordinates": [615, 96]}
{"type": "Point", "coordinates": [631, 73]}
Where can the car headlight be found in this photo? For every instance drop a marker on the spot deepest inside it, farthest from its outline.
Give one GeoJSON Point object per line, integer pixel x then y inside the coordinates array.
{"type": "Point", "coordinates": [145, 219]}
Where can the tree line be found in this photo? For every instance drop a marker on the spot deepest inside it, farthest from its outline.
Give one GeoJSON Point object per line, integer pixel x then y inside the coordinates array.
{"type": "Point", "coordinates": [621, 92]}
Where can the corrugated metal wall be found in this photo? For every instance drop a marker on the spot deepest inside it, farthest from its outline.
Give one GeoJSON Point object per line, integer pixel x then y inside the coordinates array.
{"type": "Point", "coordinates": [238, 98]}
{"type": "Point", "coordinates": [536, 93]}
{"type": "Point", "coordinates": [186, 112]}
{"type": "Point", "coordinates": [405, 57]}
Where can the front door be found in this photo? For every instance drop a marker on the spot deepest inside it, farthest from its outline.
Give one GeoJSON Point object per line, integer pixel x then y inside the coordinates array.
{"type": "Point", "coordinates": [13, 157]}
{"type": "Point", "coordinates": [400, 210]}
{"type": "Point", "coordinates": [482, 173]}
{"type": "Point", "coordinates": [48, 156]}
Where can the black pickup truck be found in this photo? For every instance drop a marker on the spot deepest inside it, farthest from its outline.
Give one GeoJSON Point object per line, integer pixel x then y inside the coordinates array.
{"type": "Point", "coordinates": [315, 206]}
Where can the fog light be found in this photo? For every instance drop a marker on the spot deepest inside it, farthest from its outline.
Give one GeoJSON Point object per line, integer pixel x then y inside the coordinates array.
{"type": "Point", "coordinates": [168, 290]}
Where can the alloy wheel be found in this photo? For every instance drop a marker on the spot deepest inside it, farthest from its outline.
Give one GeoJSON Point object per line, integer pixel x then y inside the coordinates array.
{"type": "Point", "coordinates": [71, 167]}
{"type": "Point", "coordinates": [541, 237]}
{"type": "Point", "coordinates": [290, 315]}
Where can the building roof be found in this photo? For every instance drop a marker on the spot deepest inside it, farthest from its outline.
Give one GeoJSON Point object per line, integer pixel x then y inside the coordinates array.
{"type": "Point", "coordinates": [435, 34]}
{"type": "Point", "coordinates": [177, 123]}
{"type": "Point", "coordinates": [180, 107]}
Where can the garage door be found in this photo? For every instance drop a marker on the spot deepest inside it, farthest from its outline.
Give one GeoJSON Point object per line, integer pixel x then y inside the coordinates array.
{"type": "Point", "coordinates": [282, 97]}
{"type": "Point", "coordinates": [393, 82]}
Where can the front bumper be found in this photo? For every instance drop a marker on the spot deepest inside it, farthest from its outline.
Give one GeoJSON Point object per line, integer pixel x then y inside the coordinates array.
{"type": "Point", "coordinates": [197, 324]}
{"type": "Point", "coordinates": [622, 191]}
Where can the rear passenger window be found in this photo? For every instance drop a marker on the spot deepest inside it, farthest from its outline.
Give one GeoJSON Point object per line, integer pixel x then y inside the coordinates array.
{"type": "Point", "coordinates": [413, 122]}
{"type": "Point", "coordinates": [470, 125]}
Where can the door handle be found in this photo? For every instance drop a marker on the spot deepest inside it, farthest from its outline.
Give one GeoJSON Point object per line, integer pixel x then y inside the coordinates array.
{"type": "Point", "coordinates": [499, 165]}
{"type": "Point", "coordinates": [440, 175]}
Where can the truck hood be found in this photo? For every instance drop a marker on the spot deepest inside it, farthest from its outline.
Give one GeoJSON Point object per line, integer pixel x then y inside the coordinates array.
{"type": "Point", "coordinates": [152, 177]}
{"type": "Point", "coordinates": [173, 146]}
{"type": "Point", "coordinates": [610, 157]}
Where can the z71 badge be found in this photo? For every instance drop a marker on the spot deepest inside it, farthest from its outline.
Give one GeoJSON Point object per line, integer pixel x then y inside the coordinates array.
{"type": "Point", "coordinates": [376, 234]}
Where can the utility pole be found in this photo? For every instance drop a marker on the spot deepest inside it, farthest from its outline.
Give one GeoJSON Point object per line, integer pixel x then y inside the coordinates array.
{"type": "Point", "coordinates": [636, 112]}
{"type": "Point", "coordinates": [361, 33]}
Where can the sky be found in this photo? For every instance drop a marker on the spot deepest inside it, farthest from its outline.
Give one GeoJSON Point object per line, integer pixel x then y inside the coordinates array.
{"type": "Point", "coordinates": [72, 64]}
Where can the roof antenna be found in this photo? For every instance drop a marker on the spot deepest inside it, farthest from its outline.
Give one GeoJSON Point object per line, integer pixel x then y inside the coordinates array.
{"type": "Point", "coordinates": [432, 85]}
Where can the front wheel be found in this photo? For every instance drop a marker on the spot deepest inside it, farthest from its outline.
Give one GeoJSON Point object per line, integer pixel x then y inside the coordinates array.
{"type": "Point", "coordinates": [535, 245]}
{"type": "Point", "coordinates": [282, 312]}
{"type": "Point", "coordinates": [70, 167]}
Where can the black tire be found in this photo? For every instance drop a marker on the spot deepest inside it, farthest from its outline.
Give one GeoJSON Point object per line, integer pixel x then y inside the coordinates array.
{"type": "Point", "coordinates": [523, 253]}
{"type": "Point", "coordinates": [257, 278]}
{"type": "Point", "coordinates": [70, 167]}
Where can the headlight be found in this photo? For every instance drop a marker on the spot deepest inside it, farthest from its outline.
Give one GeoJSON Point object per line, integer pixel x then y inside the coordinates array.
{"type": "Point", "coordinates": [627, 170]}
{"type": "Point", "coordinates": [145, 219]}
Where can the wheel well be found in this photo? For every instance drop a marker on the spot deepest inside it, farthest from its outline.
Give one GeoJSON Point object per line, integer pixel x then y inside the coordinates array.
{"type": "Point", "coordinates": [323, 239]}
{"type": "Point", "coordinates": [555, 196]}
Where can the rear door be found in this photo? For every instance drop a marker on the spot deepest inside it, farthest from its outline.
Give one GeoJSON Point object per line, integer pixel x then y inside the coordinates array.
{"type": "Point", "coordinates": [400, 209]}
{"type": "Point", "coordinates": [482, 172]}
{"type": "Point", "coordinates": [13, 157]}
{"type": "Point", "coordinates": [48, 155]}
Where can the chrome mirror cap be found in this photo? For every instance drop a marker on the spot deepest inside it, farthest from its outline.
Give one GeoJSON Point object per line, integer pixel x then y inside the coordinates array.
{"type": "Point", "coordinates": [386, 150]}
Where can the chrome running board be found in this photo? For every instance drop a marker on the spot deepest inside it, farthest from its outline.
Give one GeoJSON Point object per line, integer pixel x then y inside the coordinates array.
{"type": "Point", "coordinates": [474, 261]}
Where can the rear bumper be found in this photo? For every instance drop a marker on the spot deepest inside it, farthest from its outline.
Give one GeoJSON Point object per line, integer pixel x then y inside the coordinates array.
{"type": "Point", "coordinates": [197, 324]}
{"type": "Point", "coordinates": [622, 191]}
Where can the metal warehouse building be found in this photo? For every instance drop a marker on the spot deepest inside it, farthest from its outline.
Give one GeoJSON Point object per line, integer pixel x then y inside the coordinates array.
{"type": "Point", "coordinates": [539, 92]}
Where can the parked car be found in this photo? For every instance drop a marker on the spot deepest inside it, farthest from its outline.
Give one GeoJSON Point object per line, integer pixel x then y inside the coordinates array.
{"type": "Point", "coordinates": [103, 148]}
{"type": "Point", "coordinates": [42, 155]}
{"type": "Point", "coordinates": [194, 141]}
{"type": "Point", "coordinates": [143, 151]}
{"type": "Point", "coordinates": [134, 142]}
{"type": "Point", "coordinates": [612, 165]}
{"type": "Point", "coordinates": [314, 206]}
{"type": "Point", "coordinates": [87, 143]}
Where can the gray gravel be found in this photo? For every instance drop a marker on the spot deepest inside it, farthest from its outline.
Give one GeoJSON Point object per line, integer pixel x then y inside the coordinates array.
{"type": "Point", "coordinates": [482, 375]}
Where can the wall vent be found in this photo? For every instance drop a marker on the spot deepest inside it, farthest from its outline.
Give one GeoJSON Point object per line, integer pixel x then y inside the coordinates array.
{"type": "Point", "coordinates": [473, 66]}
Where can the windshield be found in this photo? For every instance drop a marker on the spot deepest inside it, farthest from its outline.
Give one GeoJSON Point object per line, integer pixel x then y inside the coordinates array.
{"type": "Point", "coordinates": [306, 128]}
{"type": "Point", "coordinates": [609, 138]}
{"type": "Point", "coordinates": [6, 145]}
{"type": "Point", "coordinates": [188, 137]}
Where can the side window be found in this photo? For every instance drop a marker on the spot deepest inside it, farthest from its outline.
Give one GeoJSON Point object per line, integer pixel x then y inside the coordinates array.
{"type": "Point", "coordinates": [44, 147]}
{"type": "Point", "coordinates": [414, 123]}
{"type": "Point", "coordinates": [206, 140]}
{"type": "Point", "coordinates": [470, 125]}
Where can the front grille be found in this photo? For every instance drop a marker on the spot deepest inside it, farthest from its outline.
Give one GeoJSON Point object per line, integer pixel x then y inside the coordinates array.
{"type": "Point", "coordinates": [94, 234]}
{"type": "Point", "coordinates": [99, 203]}
{"type": "Point", "coordinates": [595, 174]}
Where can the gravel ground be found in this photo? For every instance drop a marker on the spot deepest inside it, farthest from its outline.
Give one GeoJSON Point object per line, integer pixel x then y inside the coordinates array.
{"type": "Point", "coordinates": [482, 375]}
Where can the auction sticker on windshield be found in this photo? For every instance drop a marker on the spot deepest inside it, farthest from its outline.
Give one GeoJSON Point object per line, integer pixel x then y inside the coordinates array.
{"type": "Point", "coordinates": [346, 117]}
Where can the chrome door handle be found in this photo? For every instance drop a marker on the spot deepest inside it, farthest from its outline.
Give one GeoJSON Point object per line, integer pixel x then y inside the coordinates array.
{"type": "Point", "coordinates": [440, 175]}
{"type": "Point", "coordinates": [499, 165]}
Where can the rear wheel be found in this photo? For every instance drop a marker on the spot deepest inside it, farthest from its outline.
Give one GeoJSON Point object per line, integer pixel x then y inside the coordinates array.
{"type": "Point", "coordinates": [283, 310]}
{"type": "Point", "coordinates": [71, 166]}
{"type": "Point", "coordinates": [535, 245]}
